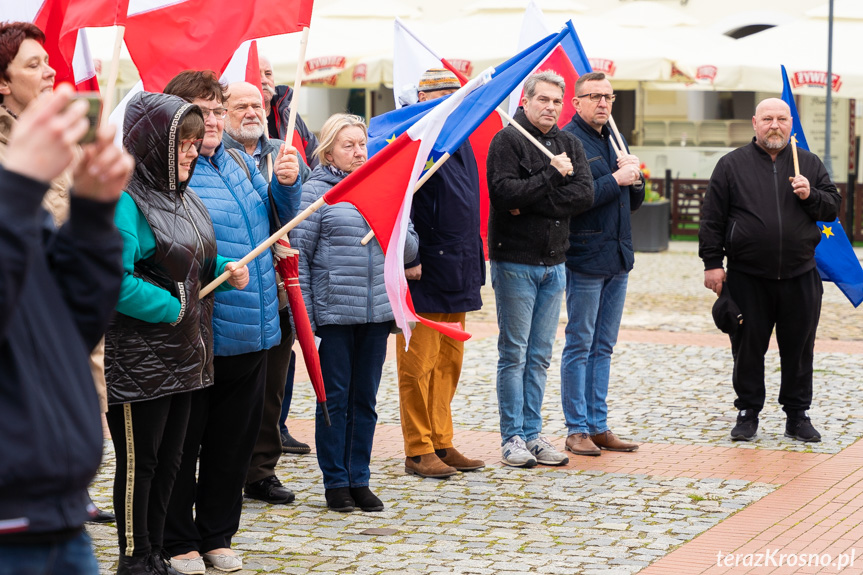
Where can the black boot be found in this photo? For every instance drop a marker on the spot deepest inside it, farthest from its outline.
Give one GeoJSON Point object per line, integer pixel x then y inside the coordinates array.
{"type": "Point", "coordinates": [366, 500]}
{"type": "Point", "coordinates": [339, 499]}
{"type": "Point", "coordinates": [162, 563]}
{"type": "Point", "coordinates": [136, 565]}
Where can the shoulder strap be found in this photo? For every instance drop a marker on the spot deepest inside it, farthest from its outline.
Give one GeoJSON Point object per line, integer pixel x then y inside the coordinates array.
{"type": "Point", "coordinates": [239, 159]}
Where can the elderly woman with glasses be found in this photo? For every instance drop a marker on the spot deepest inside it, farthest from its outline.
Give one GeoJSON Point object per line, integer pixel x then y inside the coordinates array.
{"type": "Point", "coordinates": [159, 345]}
{"type": "Point", "coordinates": [226, 417]}
{"type": "Point", "coordinates": [343, 286]}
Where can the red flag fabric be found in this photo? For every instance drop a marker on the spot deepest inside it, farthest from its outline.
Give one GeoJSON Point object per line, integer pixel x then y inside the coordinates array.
{"type": "Point", "coordinates": [480, 141]}
{"type": "Point", "coordinates": [203, 34]}
{"type": "Point", "coordinates": [253, 67]}
{"type": "Point", "coordinates": [559, 63]}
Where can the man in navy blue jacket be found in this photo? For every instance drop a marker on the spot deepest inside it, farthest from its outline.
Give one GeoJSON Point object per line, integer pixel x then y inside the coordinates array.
{"type": "Point", "coordinates": [444, 280]}
{"type": "Point", "coordinates": [598, 262]}
{"type": "Point", "coordinates": [57, 291]}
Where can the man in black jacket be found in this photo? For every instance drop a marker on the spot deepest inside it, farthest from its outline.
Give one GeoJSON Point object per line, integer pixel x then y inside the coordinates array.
{"type": "Point", "coordinates": [277, 107]}
{"type": "Point", "coordinates": [57, 290]}
{"type": "Point", "coordinates": [761, 217]}
{"type": "Point", "coordinates": [531, 200]}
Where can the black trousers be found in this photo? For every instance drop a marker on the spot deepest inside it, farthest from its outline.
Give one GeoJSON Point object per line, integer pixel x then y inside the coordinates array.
{"type": "Point", "coordinates": [268, 447]}
{"type": "Point", "coordinates": [224, 422]}
{"type": "Point", "coordinates": [793, 306]}
{"type": "Point", "coordinates": [148, 442]}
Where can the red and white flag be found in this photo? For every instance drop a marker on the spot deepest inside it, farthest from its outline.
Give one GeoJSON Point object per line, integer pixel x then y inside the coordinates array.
{"type": "Point", "coordinates": [165, 37]}
{"type": "Point", "coordinates": [412, 57]}
{"type": "Point", "coordinates": [533, 29]}
{"type": "Point", "coordinates": [382, 190]}
{"type": "Point", "coordinates": [63, 21]}
{"type": "Point", "coordinates": [244, 66]}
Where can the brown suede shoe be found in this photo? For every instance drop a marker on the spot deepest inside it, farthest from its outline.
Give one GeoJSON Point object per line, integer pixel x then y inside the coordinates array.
{"type": "Point", "coordinates": [428, 465]}
{"type": "Point", "coordinates": [580, 444]}
{"type": "Point", "coordinates": [607, 440]}
{"type": "Point", "coordinates": [453, 458]}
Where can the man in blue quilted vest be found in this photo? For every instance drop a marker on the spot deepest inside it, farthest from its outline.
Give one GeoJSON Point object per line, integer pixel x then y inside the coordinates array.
{"type": "Point", "coordinates": [226, 417]}
{"type": "Point", "coordinates": [598, 263]}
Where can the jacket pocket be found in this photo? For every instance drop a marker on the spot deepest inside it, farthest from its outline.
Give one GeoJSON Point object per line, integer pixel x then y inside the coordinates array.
{"type": "Point", "coordinates": [729, 239]}
{"type": "Point", "coordinates": [443, 266]}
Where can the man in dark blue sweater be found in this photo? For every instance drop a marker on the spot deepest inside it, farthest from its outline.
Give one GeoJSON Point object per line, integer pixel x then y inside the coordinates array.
{"type": "Point", "coordinates": [598, 262]}
{"type": "Point", "coordinates": [57, 290]}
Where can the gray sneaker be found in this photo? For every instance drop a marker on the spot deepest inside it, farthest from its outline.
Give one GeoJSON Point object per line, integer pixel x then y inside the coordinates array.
{"type": "Point", "coordinates": [515, 454]}
{"type": "Point", "coordinates": [545, 452]}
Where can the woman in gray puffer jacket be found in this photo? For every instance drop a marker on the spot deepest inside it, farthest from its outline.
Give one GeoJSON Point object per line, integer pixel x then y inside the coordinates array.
{"type": "Point", "coordinates": [343, 285]}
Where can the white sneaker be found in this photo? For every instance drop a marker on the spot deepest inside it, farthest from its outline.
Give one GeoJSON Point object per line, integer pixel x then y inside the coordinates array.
{"type": "Point", "coordinates": [515, 454]}
{"type": "Point", "coordinates": [545, 452]}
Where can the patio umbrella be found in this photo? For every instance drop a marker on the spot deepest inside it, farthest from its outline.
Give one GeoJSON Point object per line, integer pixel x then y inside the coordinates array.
{"type": "Point", "coordinates": [288, 268]}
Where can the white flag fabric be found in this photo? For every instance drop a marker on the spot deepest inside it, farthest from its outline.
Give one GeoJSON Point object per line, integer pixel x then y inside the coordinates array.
{"type": "Point", "coordinates": [410, 59]}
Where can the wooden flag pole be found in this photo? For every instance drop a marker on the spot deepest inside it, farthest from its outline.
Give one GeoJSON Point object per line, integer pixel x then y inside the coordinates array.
{"type": "Point", "coordinates": [368, 237]}
{"type": "Point", "coordinates": [617, 134]}
{"type": "Point", "coordinates": [616, 149]}
{"type": "Point", "coordinates": [794, 155]}
{"type": "Point", "coordinates": [298, 82]}
{"type": "Point", "coordinates": [113, 72]}
{"type": "Point", "coordinates": [264, 245]}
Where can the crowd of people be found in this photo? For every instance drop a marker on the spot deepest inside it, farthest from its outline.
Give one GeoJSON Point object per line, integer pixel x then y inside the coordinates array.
{"type": "Point", "coordinates": [198, 388]}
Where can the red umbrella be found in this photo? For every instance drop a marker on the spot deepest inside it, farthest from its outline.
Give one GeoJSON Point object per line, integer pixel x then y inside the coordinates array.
{"type": "Point", "coordinates": [288, 268]}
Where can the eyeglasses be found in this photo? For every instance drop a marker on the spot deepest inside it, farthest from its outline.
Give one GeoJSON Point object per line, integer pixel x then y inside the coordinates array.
{"type": "Point", "coordinates": [597, 97]}
{"type": "Point", "coordinates": [219, 112]}
{"type": "Point", "coordinates": [186, 145]}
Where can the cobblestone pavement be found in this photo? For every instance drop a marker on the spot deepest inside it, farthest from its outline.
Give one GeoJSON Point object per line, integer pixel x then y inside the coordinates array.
{"type": "Point", "coordinates": [547, 520]}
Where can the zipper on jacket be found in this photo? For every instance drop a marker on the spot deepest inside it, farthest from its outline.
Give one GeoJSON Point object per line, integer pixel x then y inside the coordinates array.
{"type": "Point", "coordinates": [203, 256]}
{"type": "Point", "coordinates": [779, 215]}
{"type": "Point", "coordinates": [371, 276]}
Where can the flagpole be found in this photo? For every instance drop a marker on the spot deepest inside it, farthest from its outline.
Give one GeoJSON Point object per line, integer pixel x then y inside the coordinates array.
{"type": "Point", "coordinates": [298, 82]}
{"type": "Point", "coordinates": [429, 173]}
{"type": "Point", "coordinates": [264, 246]}
{"type": "Point", "coordinates": [616, 133]}
{"type": "Point", "coordinates": [113, 71]}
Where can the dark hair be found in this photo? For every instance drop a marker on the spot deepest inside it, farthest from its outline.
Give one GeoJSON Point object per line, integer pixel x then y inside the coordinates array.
{"type": "Point", "coordinates": [192, 126]}
{"type": "Point", "coordinates": [192, 84]}
{"type": "Point", "coordinates": [589, 77]}
{"type": "Point", "coordinates": [12, 34]}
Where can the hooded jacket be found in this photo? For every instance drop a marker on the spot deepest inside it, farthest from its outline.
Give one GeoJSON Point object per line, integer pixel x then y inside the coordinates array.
{"type": "Point", "coordinates": [306, 142]}
{"type": "Point", "coordinates": [148, 357]}
{"type": "Point", "coordinates": [342, 280]}
{"type": "Point", "coordinates": [57, 290]}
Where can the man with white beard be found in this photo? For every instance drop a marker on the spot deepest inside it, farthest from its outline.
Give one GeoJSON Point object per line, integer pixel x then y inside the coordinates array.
{"type": "Point", "coordinates": [245, 130]}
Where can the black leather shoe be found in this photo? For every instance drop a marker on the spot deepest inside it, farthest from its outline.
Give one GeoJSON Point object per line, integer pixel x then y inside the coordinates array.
{"type": "Point", "coordinates": [747, 426]}
{"type": "Point", "coordinates": [339, 499]}
{"type": "Point", "coordinates": [291, 445]}
{"type": "Point", "coordinates": [136, 565]}
{"type": "Point", "coordinates": [799, 427]}
{"type": "Point", "coordinates": [161, 563]}
{"type": "Point", "coordinates": [269, 489]}
{"type": "Point", "coordinates": [365, 499]}
{"type": "Point", "coordinates": [102, 517]}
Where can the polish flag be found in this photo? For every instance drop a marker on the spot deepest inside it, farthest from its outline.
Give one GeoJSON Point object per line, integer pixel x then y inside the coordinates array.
{"type": "Point", "coordinates": [382, 190]}
{"type": "Point", "coordinates": [63, 21]}
{"type": "Point", "coordinates": [165, 37]}
{"type": "Point", "coordinates": [567, 60]}
{"type": "Point", "coordinates": [244, 66]}
{"type": "Point", "coordinates": [412, 57]}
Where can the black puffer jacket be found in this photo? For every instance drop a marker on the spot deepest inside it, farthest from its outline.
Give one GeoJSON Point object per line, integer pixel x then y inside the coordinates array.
{"type": "Point", "coordinates": [752, 216]}
{"type": "Point", "coordinates": [146, 360]}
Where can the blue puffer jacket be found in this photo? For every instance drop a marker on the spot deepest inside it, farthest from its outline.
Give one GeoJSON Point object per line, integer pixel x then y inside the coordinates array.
{"type": "Point", "coordinates": [342, 280]}
{"type": "Point", "coordinates": [600, 239]}
{"type": "Point", "coordinates": [243, 320]}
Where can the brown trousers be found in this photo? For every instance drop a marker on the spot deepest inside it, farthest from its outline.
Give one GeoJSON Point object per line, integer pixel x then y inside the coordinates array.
{"type": "Point", "coordinates": [428, 375]}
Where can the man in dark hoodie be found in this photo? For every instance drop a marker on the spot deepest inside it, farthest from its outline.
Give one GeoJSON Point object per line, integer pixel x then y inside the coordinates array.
{"type": "Point", "coordinates": [57, 291]}
{"type": "Point", "coordinates": [277, 107]}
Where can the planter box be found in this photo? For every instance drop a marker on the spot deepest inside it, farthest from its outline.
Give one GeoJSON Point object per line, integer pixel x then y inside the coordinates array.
{"type": "Point", "coordinates": [650, 226]}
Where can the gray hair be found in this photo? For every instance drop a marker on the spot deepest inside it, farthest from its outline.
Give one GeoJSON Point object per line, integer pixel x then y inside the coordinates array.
{"type": "Point", "coordinates": [546, 76]}
{"type": "Point", "coordinates": [330, 131]}
{"type": "Point", "coordinates": [589, 77]}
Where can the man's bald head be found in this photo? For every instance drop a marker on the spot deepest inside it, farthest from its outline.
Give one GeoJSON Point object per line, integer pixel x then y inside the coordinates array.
{"type": "Point", "coordinates": [246, 121]}
{"type": "Point", "coordinates": [772, 124]}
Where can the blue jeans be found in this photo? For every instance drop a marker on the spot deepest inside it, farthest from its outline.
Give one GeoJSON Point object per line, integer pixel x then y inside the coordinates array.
{"type": "Point", "coordinates": [352, 359]}
{"type": "Point", "coordinates": [72, 557]}
{"type": "Point", "coordinates": [594, 306]}
{"type": "Point", "coordinates": [528, 309]}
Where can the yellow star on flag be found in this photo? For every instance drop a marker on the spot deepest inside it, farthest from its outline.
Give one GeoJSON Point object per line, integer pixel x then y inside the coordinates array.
{"type": "Point", "coordinates": [429, 164]}
{"type": "Point", "coordinates": [828, 231]}
{"type": "Point", "coordinates": [391, 140]}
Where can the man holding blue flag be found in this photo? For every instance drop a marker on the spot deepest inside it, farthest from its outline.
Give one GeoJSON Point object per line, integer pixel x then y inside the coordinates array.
{"type": "Point", "coordinates": [760, 216]}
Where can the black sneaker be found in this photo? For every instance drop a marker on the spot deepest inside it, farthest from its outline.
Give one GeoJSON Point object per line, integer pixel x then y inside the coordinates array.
{"type": "Point", "coordinates": [798, 426]}
{"type": "Point", "coordinates": [269, 489]}
{"type": "Point", "coordinates": [747, 426]}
